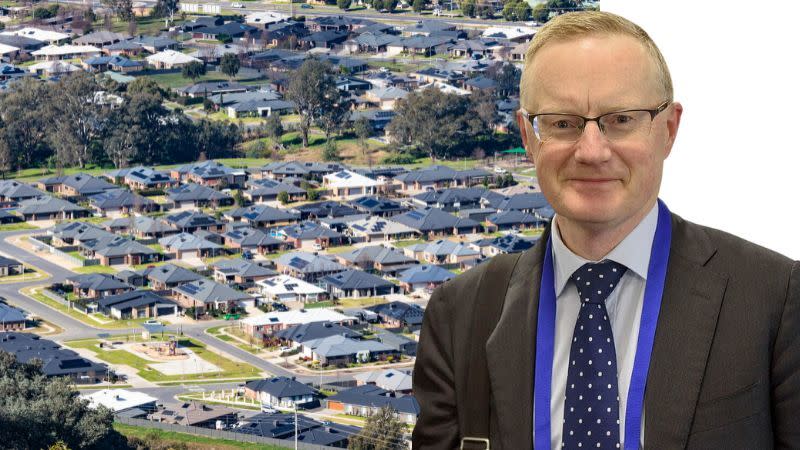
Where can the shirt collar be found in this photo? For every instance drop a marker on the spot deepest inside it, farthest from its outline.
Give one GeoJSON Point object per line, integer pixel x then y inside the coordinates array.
{"type": "Point", "coordinates": [633, 252]}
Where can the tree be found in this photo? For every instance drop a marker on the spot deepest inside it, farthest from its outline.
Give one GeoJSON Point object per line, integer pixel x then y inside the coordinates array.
{"type": "Point", "coordinates": [165, 8]}
{"type": "Point", "coordinates": [363, 129]}
{"type": "Point", "coordinates": [390, 5]}
{"type": "Point", "coordinates": [25, 114]}
{"type": "Point", "coordinates": [82, 118]}
{"type": "Point", "coordinates": [283, 197]}
{"type": "Point", "coordinates": [230, 64]}
{"type": "Point", "coordinates": [145, 85]}
{"type": "Point", "coordinates": [39, 411]}
{"type": "Point", "coordinates": [238, 198]}
{"type": "Point", "coordinates": [344, 4]}
{"type": "Point", "coordinates": [334, 112]}
{"type": "Point", "coordinates": [541, 13]}
{"type": "Point", "coordinates": [273, 127]}
{"type": "Point", "coordinates": [193, 70]}
{"type": "Point", "coordinates": [382, 431]}
{"type": "Point", "coordinates": [418, 6]}
{"type": "Point", "coordinates": [507, 77]}
{"type": "Point", "coordinates": [121, 8]}
{"type": "Point", "coordinates": [309, 85]}
{"type": "Point", "coordinates": [330, 152]}
{"type": "Point", "coordinates": [46, 12]}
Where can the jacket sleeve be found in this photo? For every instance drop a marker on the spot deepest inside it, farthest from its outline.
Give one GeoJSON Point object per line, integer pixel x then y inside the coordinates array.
{"type": "Point", "coordinates": [786, 369]}
{"type": "Point", "coordinates": [433, 382]}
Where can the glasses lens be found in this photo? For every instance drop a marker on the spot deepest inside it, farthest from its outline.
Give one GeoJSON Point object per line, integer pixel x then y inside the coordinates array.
{"type": "Point", "coordinates": [626, 124]}
{"type": "Point", "coordinates": [557, 127]}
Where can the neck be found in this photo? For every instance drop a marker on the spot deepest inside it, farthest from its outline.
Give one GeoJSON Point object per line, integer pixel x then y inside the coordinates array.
{"type": "Point", "coordinates": [593, 241]}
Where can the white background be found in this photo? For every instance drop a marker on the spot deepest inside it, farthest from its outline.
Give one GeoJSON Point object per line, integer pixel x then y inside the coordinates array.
{"type": "Point", "coordinates": [736, 163]}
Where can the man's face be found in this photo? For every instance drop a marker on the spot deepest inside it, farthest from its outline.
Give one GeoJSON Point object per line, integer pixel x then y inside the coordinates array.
{"type": "Point", "coordinates": [595, 181]}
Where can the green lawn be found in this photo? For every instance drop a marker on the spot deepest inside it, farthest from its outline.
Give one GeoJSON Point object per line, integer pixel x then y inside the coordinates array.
{"type": "Point", "coordinates": [230, 369]}
{"type": "Point", "coordinates": [176, 79]}
{"type": "Point", "coordinates": [360, 302]}
{"type": "Point", "coordinates": [77, 255]}
{"type": "Point", "coordinates": [189, 440]}
{"type": "Point", "coordinates": [31, 273]}
{"type": "Point", "coordinates": [112, 325]}
{"type": "Point", "coordinates": [94, 269]}
{"type": "Point", "coordinates": [323, 304]}
{"type": "Point", "coordinates": [17, 226]}
{"type": "Point", "coordinates": [408, 243]}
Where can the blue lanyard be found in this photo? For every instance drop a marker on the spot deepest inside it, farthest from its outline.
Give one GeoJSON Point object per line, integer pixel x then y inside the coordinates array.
{"type": "Point", "coordinates": [545, 335]}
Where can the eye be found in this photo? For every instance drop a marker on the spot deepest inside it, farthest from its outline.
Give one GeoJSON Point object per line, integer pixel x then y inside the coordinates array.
{"type": "Point", "coordinates": [620, 119]}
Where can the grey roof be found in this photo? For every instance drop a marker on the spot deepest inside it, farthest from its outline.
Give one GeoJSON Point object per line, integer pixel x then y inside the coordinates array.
{"type": "Point", "coordinates": [186, 241]}
{"type": "Point", "coordinates": [433, 219]}
{"type": "Point", "coordinates": [310, 230]}
{"type": "Point", "coordinates": [440, 173]}
{"type": "Point", "coordinates": [444, 247]}
{"type": "Point", "coordinates": [425, 274]}
{"type": "Point", "coordinates": [208, 291]}
{"type": "Point", "coordinates": [389, 379]}
{"type": "Point", "coordinates": [510, 243]}
{"type": "Point", "coordinates": [428, 26]}
{"type": "Point", "coordinates": [8, 262]}
{"type": "Point", "coordinates": [356, 279]}
{"type": "Point", "coordinates": [374, 39]}
{"type": "Point", "coordinates": [21, 42]}
{"type": "Point", "coordinates": [530, 201]}
{"type": "Point", "coordinates": [132, 299]}
{"type": "Point", "coordinates": [190, 192]}
{"type": "Point", "coordinates": [56, 361]}
{"type": "Point", "coordinates": [375, 397]}
{"type": "Point", "coordinates": [243, 268]}
{"type": "Point", "coordinates": [83, 184]}
{"type": "Point", "coordinates": [422, 42]}
{"type": "Point", "coordinates": [99, 37]}
{"type": "Point", "coordinates": [16, 190]}
{"type": "Point", "coordinates": [209, 87]}
{"type": "Point", "coordinates": [281, 387]}
{"type": "Point", "coordinates": [481, 82]}
{"type": "Point", "coordinates": [123, 46]}
{"type": "Point", "coordinates": [119, 198]}
{"type": "Point", "coordinates": [157, 42]}
{"type": "Point", "coordinates": [513, 217]}
{"type": "Point", "coordinates": [241, 97]}
{"type": "Point", "coordinates": [121, 246]}
{"type": "Point", "coordinates": [336, 346]}
{"type": "Point", "coordinates": [188, 219]}
{"type": "Point", "coordinates": [78, 230]}
{"type": "Point", "coordinates": [411, 314]}
{"type": "Point", "coordinates": [207, 169]}
{"type": "Point", "coordinates": [233, 29]}
{"type": "Point", "coordinates": [377, 205]}
{"type": "Point", "coordinates": [300, 168]}
{"type": "Point", "coordinates": [377, 254]}
{"type": "Point", "coordinates": [251, 237]}
{"type": "Point", "coordinates": [451, 196]}
{"type": "Point", "coordinates": [255, 105]}
{"type": "Point", "coordinates": [170, 274]}
{"type": "Point", "coordinates": [48, 205]}
{"type": "Point", "coordinates": [97, 282]}
{"type": "Point", "coordinates": [9, 314]}
{"type": "Point", "coordinates": [326, 209]}
{"type": "Point", "coordinates": [262, 213]}
{"type": "Point", "coordinates": [145, 175]}
{"type": "Point", "coordinates": [325, 36]}
{"type": "Point", "coordinates": [268, 187]}
{"type": "Point", "coordinates": [309, 263]}
{"type": "Point", "coordinates": [315, 330]}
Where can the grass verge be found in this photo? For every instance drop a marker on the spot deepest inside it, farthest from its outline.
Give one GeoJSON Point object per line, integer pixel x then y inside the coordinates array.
{"type": "Point", "coordinates": [191, 441]}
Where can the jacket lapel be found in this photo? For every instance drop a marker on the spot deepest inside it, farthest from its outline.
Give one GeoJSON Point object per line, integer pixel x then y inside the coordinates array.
{"type": "Point", "coordinates": [686, 324]}
{"type": "Point", "coordinates": [510, 353]}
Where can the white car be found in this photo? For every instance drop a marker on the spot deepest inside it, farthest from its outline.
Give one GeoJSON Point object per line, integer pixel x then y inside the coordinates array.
{"type": "Point", "coordinates": [237, 5]}
{"type": "Point", "coordinates": [500, 170]}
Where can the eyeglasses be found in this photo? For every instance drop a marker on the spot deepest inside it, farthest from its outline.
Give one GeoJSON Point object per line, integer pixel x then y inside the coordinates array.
{"type": "Point", "coordinates": [616, 126]}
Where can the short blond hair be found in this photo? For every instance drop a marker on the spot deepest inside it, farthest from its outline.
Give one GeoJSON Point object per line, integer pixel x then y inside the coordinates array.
{"type": "Point", "coordinates": [585, 23]}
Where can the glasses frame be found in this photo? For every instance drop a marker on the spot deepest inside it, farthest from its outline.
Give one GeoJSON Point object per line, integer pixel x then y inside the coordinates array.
{"type": "Point", "coordinates": [653, 113]}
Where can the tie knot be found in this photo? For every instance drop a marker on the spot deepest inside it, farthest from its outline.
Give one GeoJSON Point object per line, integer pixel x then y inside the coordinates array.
{"type": "Point", "coordinates": [596, 281]}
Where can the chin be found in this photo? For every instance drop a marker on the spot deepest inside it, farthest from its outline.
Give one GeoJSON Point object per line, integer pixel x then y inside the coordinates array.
{"type": "Point", "coordinates": [593, 209]}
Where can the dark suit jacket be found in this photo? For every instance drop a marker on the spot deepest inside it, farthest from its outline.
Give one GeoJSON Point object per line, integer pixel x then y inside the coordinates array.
{"type": "Point", "coordinates": [725, 367]}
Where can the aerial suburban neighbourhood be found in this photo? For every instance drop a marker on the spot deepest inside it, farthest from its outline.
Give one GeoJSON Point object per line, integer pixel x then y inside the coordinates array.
{"type": "Point", "coordinates": [225, 220]}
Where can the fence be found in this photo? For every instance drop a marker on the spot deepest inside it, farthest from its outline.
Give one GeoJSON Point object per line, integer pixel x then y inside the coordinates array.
{"type": "Point", "coordinates": [44, 242]}
{"type": "Point", "coordinates": [219, 434]}
{"type": "Point", "coordinates": [57, 298]}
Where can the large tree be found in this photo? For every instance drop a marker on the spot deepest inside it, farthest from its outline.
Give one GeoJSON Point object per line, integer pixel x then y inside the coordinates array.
{"type": "Point", "coordinates": [121, 8]}
{"type": "Point", "coordinates": [382, 431]}
{"type": "Point", "coordinates": [230, 64]}
{"type": "Point", "coordinates": [37, 411]}
{"type": "Point", "coordinates": [82, 116]}
{"type": "Point", "coordinates": [26, 117]}
{"type": "Point", "coordinates": [507, 77]}
{"type": "Point", "coordinates": [334, 112]}
{"type": "Point", "coordinates": [308, 88]}
{"type": "Point", "coordinates": [193, 70]}
{"type": "Point", "coordinates": [165, 8]}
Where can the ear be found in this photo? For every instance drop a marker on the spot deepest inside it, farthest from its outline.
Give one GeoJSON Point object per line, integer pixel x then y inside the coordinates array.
{"type": "Point", "coordinates": [673, 123]}
{"type": "Point", "coordinates": [527, 136]}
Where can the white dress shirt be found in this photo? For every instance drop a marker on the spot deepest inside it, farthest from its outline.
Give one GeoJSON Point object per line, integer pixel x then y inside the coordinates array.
{"type": "Point", "coordinates": [624, 307]}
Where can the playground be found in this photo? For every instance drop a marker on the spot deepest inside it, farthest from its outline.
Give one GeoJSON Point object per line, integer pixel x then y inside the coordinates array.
{"type": "Point", "coordinates": [170, 358]}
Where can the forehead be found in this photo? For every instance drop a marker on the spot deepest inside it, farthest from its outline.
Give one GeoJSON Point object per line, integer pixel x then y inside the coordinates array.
{"type": "Point", "coordinates": [590, 75]}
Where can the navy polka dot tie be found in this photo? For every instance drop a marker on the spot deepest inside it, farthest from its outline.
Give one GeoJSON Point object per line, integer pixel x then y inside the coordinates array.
{"type": "Point", "coordinates": [591, 406]}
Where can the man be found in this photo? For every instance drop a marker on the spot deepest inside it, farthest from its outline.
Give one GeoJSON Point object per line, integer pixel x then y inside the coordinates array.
{"type": "Point", "coordinates": [688, 338]}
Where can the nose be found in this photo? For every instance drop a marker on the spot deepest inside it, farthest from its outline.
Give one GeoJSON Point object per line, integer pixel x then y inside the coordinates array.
{"type": "Point", "coordinates": [592, 147]}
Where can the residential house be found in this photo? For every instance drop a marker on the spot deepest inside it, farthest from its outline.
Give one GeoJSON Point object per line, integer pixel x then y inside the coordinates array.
{"type": "Point", "coordinates": [191, 221]}
{"type": "Point", "coordinates": [480, 83]}
{"type": "Point", "coordinates": [72, 233]}
{"type": "Point", "coordinates": [127, 48]}
{"type": "Point", "coordinates": [66, 51]}
{"type": "Point", "coordinates": [136, 304]}
{"type": "Point", "coordinates": [193, 195]}
{"type": "Point", "coordinates": [347, 184]}
{"type": "Point", "coordinates": [7, 217]}
{"type": "Point", "coordinates": [206, 294]}
{"type": "Point", "coordinates": [38, 34]}
{"type": "Point", "coordinates": [196, 414]}
{"type": "Point", "coordinates": [450, 200]}
{"type": "Point", "coordinates": [254, 239]}
{"type": "Point", "coordinates": [121, 400]}
{"type": "Point", "coordinates": [427, 28]}
{"type": "Point", "coordinates": [433, 222]}
{"type": "Point", "coordinates": [341, 351]}
{"type": "Point", "coordinates": [370, 42]}
{"type": "Point", "coordinates": [423, 277]}
{"type": "Point", "coordinates": [116, 63]}
{"type": "Point", "coordinates": [116, 202]}
{"type": "Point", "coordinates": [55, 361]}
{"type": "Point", "coordinates": [240, 272]}
{"type": "Point", "coordinates": [440, 177]}
{"type": "Point", "coordinates": [512, 220]}
{"type": "Point", "coordinates": [307, 266]}
{"type": "Point", "coordinates": [299, 169]}
{"type": "Point", "coordinates": [170, 59]}
{"type": "Point", "coordinates": [270, 323]}
{"type": "Point", "coordinates": [13, 191]}
{"type": "Point", "coordinates": [356, 284]}
{"type": "Point", "coordinates": [10, 73]}
{"type": "Point", "coordinates": [141, 178]}
{"type": "Point", "coordinates": [23, 43]}
{"type": "Point", "coordinates": [510, 243]}
{"type": "Point", "coordinates": [420, 45]}
{"type": "Point", "coordinates": [399, 315]}
{"type": "Point", "coordinates": [120, 250]}
{"type": "Point", "coordinates": [285, 288]}
{"type": "Point", "coordinates": [262, 216]}
{"type": "Point", "coordinates": [528, 202]}
{"type": "Point", "coordinates": [11, 319]}
{"type": "Point", "coordinates": [380, 229]}
{"type": "Point", "coordinates": [155, 44]}
{"type": "Point", "coordinates": [299, 334]}
{"type": "Point", "coordinates": [96, 285]}
{"type": "Point", "coordinates": [100, 38]}
{"type": "Point", "coordinates": [185, 245]}
{"type": "Point", "coordinates": [310, 235]}
{"type": "Point", "coordinates": [261, 19]}
{"type": "Point", "coordinates": [385, 98]}
{"type": "Point", "coordinates": [442, 252]}
{"type": "Point", "coordinates": [323, 39]}
{"type": "Point", "coordinates": [210, 173]}
{"type": "Point", "coordinates": [77, 186]}
{"type": "Point", "coordinates": [168, 276]}
{"type": "Point", "coordinates": [306, 430]}
{"type": "Point", "coordinates": [142, 227]}
{"type": "Point", "coordinates": [204, 89]}
{"type": "Point", "coordinates": [259, 108]}
{"type": "Point", "coordinates": [266, 190]}
{"type": "Point", "coordinates": [399, 342]}
{"type": "Point", "coordinates": [280, 392]}
{"type": "Point", "coordinates": [377, 258]}
{"type": "Point", "coordinates": [367, 400]}
{"type": "Point", "coordinates": [324, 209]}
{"type": "Point", "coordinates": [50, 208]}
{"type": "Point", "coordinates": [234, 30]}
{"type": "Point", "coordinates": [516, 34]}
{"type": "Point", "coordinates": [518, 53]}
{"type": "Point", "coordinates": [378, 206]}
{"type": "Point", "coordinates": [392, 380]}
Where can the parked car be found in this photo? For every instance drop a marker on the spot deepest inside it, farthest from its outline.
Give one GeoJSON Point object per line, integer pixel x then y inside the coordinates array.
{"type": "Point", "coordinates": [268, 409]}
{"type": "Point", "coordinates": [237, 5]}
{"type": "Point", "coordinates": [500, 170]}
{"type": "Point", "coordinates": [247, 254]}
{"type": "Point", "coordinates": [306, 6]}
{"type": "Point", "coordinates": [152, 322]}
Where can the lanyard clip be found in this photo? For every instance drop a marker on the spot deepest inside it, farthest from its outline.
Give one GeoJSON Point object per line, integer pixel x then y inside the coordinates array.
{"type": "Point", "coordinates": [475, 443]}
